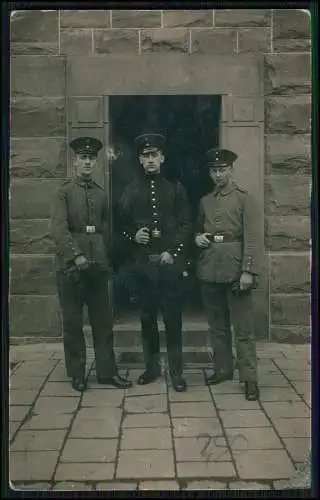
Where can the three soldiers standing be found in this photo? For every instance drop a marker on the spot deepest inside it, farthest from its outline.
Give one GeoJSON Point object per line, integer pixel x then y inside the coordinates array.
{"type": "Point", "coordinates": [156, 222]}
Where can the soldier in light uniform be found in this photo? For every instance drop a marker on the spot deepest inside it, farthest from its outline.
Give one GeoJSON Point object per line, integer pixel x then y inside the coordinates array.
{"type": "Point", "coordinates": [79, 229]}
{"type": "Point", "coordinates": [156, 222]}
{"type": "Point", "coordinates": [227, 268]}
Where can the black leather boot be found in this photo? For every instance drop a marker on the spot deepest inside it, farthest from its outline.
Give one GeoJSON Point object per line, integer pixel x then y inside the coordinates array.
{"type": "Point", "coordinates": [179, 384]}
{"type": "Point", "coordinates": [149, 376]}
{"type": "Point", "coordinates": [116, 381]}
{"type": "Point", "coordinates": [252, 392]}
{"type": "Point", "coordinates": [217, 378]}
{"type": "Point", "coordinates": [79, 384]}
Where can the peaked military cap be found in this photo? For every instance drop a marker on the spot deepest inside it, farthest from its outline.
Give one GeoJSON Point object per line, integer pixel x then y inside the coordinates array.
{"type": "Point", "coordinates": [149, 142]}
{"type": "Point", "coordinates": [220, 158]}
{"type": "Point", "coordinates": [88, 145]}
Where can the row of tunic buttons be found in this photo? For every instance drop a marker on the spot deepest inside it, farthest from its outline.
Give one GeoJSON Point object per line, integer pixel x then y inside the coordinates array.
{"type": "Point", "coordinates": [153, 199]}
{"type": "Point", "coordinates": [179, 249]}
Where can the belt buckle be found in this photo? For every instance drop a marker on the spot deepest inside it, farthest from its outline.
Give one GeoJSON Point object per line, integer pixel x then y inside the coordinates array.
{"type": "Point", "coordinates": [218, 238]}
{"type": "Point", "coordinates": [90, 229]}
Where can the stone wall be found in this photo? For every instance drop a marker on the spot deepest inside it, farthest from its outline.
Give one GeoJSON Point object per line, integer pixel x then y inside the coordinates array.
{"type": "Point", "coordinates": [40, 43]}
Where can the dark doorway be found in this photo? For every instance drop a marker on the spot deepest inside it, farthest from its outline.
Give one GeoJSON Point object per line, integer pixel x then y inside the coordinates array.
{"type": "Point", "coordinates": [192, 126]}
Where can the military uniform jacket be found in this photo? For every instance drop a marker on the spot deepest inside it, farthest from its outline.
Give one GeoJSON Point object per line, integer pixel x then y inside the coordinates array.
{"type": "Point", "coordinates": [229, 213]}
{"type": "Point", "coordinates": [155, 202]}
{"type": "Point", "coordinates": [76, 205]}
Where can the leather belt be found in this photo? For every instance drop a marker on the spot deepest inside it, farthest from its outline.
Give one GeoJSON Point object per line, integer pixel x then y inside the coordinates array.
{"type": "Point", "coordinates": [223, 238]}
{"type": "Point", "coordinates": [87, 230]}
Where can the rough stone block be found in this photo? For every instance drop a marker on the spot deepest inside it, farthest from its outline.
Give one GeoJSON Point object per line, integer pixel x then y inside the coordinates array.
{"type": "Point", "coordinates": [287, 74]}
{"type": "Point", "coordinates": [164, 40]}
{"type": "Point", "coordinates": [215, 41]}
{"type": "Point", "coordinates": [291, 23]}
{"type": "Point", "coordinates": [288, 232]}
{"type": "Point", "coordinates": [254, 40]}
{"type": "Point", "coordinates": [76, 42]}
{"type": "Point", "coordinates": [31, 199]}
{"type": "Point", "coordinates": [34, 275]}
{"type": "Point", "coordinates": [145, 464]}
{"type": "Point", "coordinates": [263, 464]}
{"type": "Point", "coordinates": [30, 236]}
{"type": "Point", "coordinates": [37, 76]}
{"type": "Point", "coordinates": [35, 486]}
{"type": "Point", "coordinates": [18, 413]}
{"type": "Point", "coordinates": [96, 398]}
{"type": "Point", "coordinates": [290, 334]}
{"type": "Point", "coordinates": [44, 158]}
{"type": "Point", "coordinates": [292, 45]}
{"type": "Point", "coordinates": [34, 48]}
{"type": "Point", "coordinates": [288, 154]}
{"type": "Point", "coordinates": [116, 41]}
{"type": "Point", "coordinates": [90, 450]}
{"type": "Point", "coordinates": [34, 26]}
{"type": "Point", "coordinates": [290, 310]}
{"type": "Point", "coordinates": [34, 315]}
{"type": "Point", "coordinates": [187, 18]}
{"type": "Point", "coordinates": [193, 394]}
{"type": "Point", "coordinates": [242, 17]}
{"type": "Point", "coordinates": [136, 19]}
{"type": "Point", "coordinates": [290, 274]}
{"type": "Point", "coordinates": [287, 195]}
{"type": "Point", "coordinates": [43, 117]}
{"type": "Point", "coordinates": [85, 18]}
{"type": "Point", "coordinates": [291, 115]}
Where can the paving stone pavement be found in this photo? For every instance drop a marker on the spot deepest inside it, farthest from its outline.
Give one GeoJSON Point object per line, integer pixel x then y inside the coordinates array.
{"type": "Point", "coordinates": [152, 438]}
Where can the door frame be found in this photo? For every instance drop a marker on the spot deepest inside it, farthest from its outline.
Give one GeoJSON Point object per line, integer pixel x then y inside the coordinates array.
{"type": "Point", "coordinates": [91, 80]}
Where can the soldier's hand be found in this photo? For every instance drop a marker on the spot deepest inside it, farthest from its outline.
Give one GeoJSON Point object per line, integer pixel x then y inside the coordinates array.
{"type": "Point", "coordinates": [166, 258]}
{"type": "Point", "coordinates": [246, 281]}
{"type": "Point", "coordinates": [81, 262]}
{"type": "Point", "coordinates": [201, 240]}
{"type": "Point", "coordinates": [142, 236]}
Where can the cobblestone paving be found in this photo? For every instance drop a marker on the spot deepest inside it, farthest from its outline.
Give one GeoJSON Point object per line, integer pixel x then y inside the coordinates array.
{"type": "Point", "coordinates": [152, 438]}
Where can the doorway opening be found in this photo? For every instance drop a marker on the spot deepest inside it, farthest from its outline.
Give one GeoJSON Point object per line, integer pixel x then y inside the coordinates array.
{"type": "Point", "coordinates": [191, 124]}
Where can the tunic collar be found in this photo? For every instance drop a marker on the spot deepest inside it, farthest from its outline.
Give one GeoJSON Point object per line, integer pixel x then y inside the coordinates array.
{"type": "Point", "coordinates": [83, 182]}
{"type": "Point", "coordinates": [226, 190]}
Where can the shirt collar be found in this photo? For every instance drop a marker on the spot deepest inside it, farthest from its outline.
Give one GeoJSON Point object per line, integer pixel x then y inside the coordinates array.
{"type": "Point", "coordinates": [83, 182]}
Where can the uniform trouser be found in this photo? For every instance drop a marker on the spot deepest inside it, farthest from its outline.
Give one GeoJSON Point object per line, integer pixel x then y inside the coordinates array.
{"type": "Point", "coordinates": [223, 307]}
{"type": "Point", "coordinates": [161, 290]}
{"type": "Point", "coordinates": [91, 289]}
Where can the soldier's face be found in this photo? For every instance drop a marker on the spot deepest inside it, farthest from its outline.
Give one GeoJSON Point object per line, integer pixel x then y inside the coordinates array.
{"type": "Point", "coordinates": [221, 176]}
{"type": "Point", "coordinates": [151, 161]}
{"type": "Point", "coordinates": [84, 164]}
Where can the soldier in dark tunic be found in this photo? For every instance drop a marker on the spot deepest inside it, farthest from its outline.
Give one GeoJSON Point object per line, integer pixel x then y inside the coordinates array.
{"type": "Point", "coordinates": [227, 268]}
{"type": "Point", "coordinates": [156, 222]}
{"type": "Point", "coordinates": [79, 229]}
